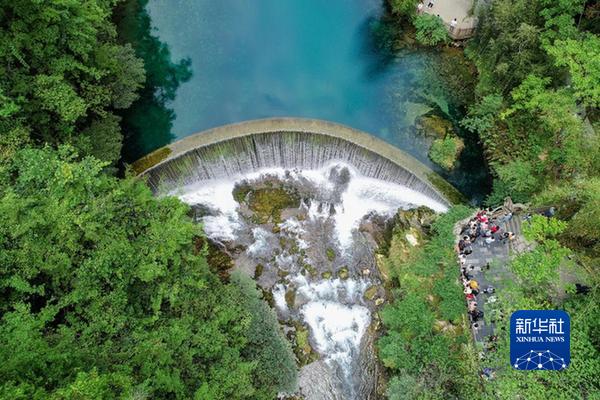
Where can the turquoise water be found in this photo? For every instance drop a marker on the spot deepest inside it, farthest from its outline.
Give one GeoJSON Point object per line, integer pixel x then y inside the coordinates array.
{"type": "Point", "coordinates": [334, 60]}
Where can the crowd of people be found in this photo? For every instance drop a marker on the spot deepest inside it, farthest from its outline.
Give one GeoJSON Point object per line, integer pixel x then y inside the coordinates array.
{"type": "Point", "coordinates": [483, 230]}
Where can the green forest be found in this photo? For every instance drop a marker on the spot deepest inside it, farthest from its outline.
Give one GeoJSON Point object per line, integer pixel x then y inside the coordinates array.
{"type": "Point", "coordinates": [106, 291]}
{"type": "Point", "coordinates": [536, 114]}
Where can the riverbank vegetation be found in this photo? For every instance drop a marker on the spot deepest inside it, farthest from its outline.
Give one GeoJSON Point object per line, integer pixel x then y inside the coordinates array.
{"type": "Point", "coordinates": [426, 344]}
{"type": "Point", "coordinates": [536, 114]}
{"type": "Point", "coordinates": [104, 290]}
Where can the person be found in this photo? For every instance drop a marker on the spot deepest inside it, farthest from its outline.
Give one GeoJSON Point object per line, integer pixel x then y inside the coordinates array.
{"type": "Point", "coordinates": [420, 8]}
{"type": "Point", "coordinates": [488, 374]}
{"type": "Point", "coordinates": [453, 24]}
{"type": "Point", "coordinates": [494, 228]}
{"type": "Point", "coordinates": [489, 240]}
{"type": "Point", "coordinates": [510, 235]}
{"type": "Point", "coordinates": [549, 212]}
{"type": "Point", "coordinates": [472, 306]}
{"type": "Point", "coordinates": [507, 217]}
{"type": "Point", "coordinates": [473, 284]}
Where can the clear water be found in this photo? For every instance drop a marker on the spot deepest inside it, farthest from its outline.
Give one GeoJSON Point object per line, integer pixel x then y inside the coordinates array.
{"type": "Point", "coordinates": [329, 59]}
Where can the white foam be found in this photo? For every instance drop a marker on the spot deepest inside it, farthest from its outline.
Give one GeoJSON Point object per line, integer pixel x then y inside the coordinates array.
{"type": "Point", "coordinates": [362, 196]}
{"type": "Point", "coordinates": [279, 298]}
{"type": "Point", "coordinates": [335, 317]}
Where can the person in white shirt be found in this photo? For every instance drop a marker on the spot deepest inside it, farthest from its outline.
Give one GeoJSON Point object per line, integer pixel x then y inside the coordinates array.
{"type": "Point", "coordinates": [453, 24]}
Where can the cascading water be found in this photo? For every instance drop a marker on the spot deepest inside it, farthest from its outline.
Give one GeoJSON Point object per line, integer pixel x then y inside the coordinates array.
{"type": "Point", "coordinates": [291, 150]}
{"type": "Point", "coordinates": [315, 259]}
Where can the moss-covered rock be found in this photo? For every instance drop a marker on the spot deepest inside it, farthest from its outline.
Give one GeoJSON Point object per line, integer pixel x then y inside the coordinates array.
{"type": "Point", "coordinates": [302, 348]}
{"type": "Point", "coordinates": [282, 274]}
{"type": "Point", "coordinates": [371, 292]}
{"type": "Point", "coordinates": [445, 152]}
{"type": "Point", "coordinates": [343, 273]}
{"type": "Point", "coordinates": [290, 298]}
{"type": "Point", "coordinates": [311, 270]}
{"type": "Point", "coordinates": [267, 203]}
{"type": "Point", "coordinates": [326, 275]}
{"type": "Point", "coordinates": [330, 254]}
{"type": "Point", "coordinates": [434, 126]}
{"type": "Point", "coordinates": [258, 271]}
{"type": "Point", "coordinates": [150, 160]}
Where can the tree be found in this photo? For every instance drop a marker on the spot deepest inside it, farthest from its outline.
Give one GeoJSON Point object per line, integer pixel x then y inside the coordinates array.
{"type": "Point", "coordinates": [406, 9]}
{"type": "Point", "coordinates": [581, 57]}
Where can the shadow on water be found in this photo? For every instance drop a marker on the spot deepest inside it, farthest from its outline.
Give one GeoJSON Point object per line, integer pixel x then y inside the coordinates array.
{"type": "Point", "coordinates": [376, 36]}
{"type": "Point", "coordinates": [147, 123]}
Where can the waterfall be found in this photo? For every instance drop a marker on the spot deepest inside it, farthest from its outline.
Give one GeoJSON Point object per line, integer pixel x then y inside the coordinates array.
{"type": "Point", "coordinates": [288, 150]}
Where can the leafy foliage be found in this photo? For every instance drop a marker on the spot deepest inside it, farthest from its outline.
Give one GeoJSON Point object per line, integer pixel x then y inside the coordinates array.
{"type": "Point", "coordinates": [63, 72]}
{"type": "Point", "coordinates": [105, 295]}
{"type": "Point", "coordinates": [431, 30]}
{"type": "Point", "coordinates": [420, 354]}
{"type": "Point", "coordinates": [404, 8]}
{"type": "Point", "coordinates": [445, 152]}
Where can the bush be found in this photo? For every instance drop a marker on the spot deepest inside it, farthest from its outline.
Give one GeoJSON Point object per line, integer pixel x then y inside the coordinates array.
{"type": "Point", "coordinates": [445, 152]}
{"type": "Point", "coordinates": [429, 293]}
{"type": "Point", "coordinates": [105, 294]}
{"type": "Point", "coordinates": [431, 30]}
{"type": "Point", "coordinates": [276, 369]}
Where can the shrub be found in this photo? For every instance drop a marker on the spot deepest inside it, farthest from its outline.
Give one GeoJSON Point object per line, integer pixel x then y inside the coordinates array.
{"type": "Point", "coordinates": [445, 152]}
{"type": "Point", "coordinates": [431, 30]}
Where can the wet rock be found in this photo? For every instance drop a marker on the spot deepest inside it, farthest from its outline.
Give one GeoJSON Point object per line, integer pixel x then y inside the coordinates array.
{"type": "Point", "coordinates": [290, 298]}
{"type": "Point", "coordinates": [371, 292]}
{"type": "Point", "coordinates": [316, 382]}
{"type": "Point", "coordinates": [367, 372]}
{"type": "Point", "coordinates": [434, 126]}
{"type": "Point", "coordinates": [301, 345]}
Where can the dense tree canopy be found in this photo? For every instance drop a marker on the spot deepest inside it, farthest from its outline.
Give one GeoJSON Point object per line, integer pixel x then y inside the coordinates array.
{"type": "Point", "coordinates": [103, 293]}
{"type": "Point", "coordinates": [63, 74]}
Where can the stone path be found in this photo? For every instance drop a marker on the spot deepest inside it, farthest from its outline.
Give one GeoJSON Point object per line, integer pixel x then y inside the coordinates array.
{"type": "Point", "coordinates": [497, 255]}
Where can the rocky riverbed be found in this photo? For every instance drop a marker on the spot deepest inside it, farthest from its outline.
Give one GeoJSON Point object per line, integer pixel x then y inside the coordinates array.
{"type": "Point", "coordinates": [309, 240]}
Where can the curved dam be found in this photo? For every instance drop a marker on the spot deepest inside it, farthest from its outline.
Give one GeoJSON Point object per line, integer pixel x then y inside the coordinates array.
{"type": "Point", "coordinates": [289, 143]}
